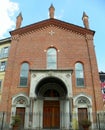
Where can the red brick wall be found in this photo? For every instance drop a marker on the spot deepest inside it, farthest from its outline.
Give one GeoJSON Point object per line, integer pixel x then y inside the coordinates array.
{"type": "Point", "coordinates": [71, 46]}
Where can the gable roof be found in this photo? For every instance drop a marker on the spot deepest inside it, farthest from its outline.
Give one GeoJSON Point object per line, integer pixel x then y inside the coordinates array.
{"type": "Point", "coordinates": [50, 22]}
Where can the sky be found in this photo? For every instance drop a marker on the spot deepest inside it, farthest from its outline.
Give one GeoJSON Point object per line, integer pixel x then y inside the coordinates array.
{"type": "Point", "coordinates": [70, 11]}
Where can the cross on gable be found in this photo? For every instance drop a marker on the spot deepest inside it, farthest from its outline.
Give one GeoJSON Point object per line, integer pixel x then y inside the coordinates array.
{"type": "Point", "coordinates": [51, 32]}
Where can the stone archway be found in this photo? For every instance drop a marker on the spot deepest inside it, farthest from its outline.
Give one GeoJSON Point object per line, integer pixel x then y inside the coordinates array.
{"type": "Point", "coordinates": [51, 83]}
{"type": "Point", "coordinates": [51, 89]}
{"type": "Point", "coordinates": [20, 106]}
{"type": "Point", "coordinates": [82, 108]}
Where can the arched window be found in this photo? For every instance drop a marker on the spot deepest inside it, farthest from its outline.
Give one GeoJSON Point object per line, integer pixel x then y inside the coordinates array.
{"type": "Point", "coordinates": [51, 58]}
{"type": "Point", "coordinates": [24, 74]}
{"type": "Point", "coordinates": [79, 74]}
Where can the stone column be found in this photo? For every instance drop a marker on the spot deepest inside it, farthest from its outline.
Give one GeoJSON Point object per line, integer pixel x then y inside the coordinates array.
{"type": "Point", "coordinates": [31, 111]}
{"type": "Point", "coordinates": [70, 110]}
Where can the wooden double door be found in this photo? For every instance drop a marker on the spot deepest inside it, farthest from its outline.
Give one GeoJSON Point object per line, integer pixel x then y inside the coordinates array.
{"type": "Point", "coordinates": [51, 114]}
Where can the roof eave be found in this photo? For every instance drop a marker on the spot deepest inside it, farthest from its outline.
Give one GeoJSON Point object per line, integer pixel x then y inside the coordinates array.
{"type": "Point", "coordinates": [55, 22]}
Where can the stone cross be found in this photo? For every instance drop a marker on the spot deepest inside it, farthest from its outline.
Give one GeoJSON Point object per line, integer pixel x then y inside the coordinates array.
{"type": "Point", "coordinates": [51, 32]}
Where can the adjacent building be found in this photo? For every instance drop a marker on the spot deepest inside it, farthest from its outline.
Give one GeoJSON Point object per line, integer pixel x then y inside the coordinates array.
{"type": "Point", "coordinates": [102, 82]}
{"type": "Point", "coordinates": [51, 79]}
{"type": "Point", "coordinates": [4, 51]}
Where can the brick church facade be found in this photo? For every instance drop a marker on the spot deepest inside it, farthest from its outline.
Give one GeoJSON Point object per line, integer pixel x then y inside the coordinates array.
{"type": "Point", "coordinates": [52, 75]}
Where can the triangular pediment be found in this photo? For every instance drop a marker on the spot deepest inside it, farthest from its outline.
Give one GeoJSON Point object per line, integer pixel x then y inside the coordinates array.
{"type": "Point", "coordinates": [52, 22]}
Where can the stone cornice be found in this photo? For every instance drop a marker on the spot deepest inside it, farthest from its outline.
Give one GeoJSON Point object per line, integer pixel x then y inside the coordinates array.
{"type": "Point", "coordinates": [51, 70]}
{"type": "Point", "coordinates": [52, 22]}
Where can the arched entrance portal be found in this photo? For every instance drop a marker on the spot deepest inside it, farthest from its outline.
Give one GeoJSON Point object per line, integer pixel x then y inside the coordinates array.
{"type": "Point", "coordinates": [52, 90]}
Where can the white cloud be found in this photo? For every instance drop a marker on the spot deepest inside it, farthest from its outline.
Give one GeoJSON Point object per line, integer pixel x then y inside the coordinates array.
{"type": "Point", "coordinates": [7, 11]}
{"type": "Point", "coordinates": [61, 14]}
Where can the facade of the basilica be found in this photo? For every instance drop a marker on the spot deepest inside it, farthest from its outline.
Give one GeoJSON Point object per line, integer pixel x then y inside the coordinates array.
{"type": "Point", "coordinates": [51, 78]}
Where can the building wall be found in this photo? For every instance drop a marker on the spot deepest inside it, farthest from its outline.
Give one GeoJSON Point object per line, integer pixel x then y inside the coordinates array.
{"type": "Point", "coordinates": [5, 43]}
{"type": "Point", "coordinates": [1, 79]}
{"type": "Point", "coordinates": [71, 48]}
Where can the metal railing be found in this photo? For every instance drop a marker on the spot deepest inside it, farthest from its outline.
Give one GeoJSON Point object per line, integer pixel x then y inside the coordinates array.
{"type": "Point", "coordinates": [98, 121]}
